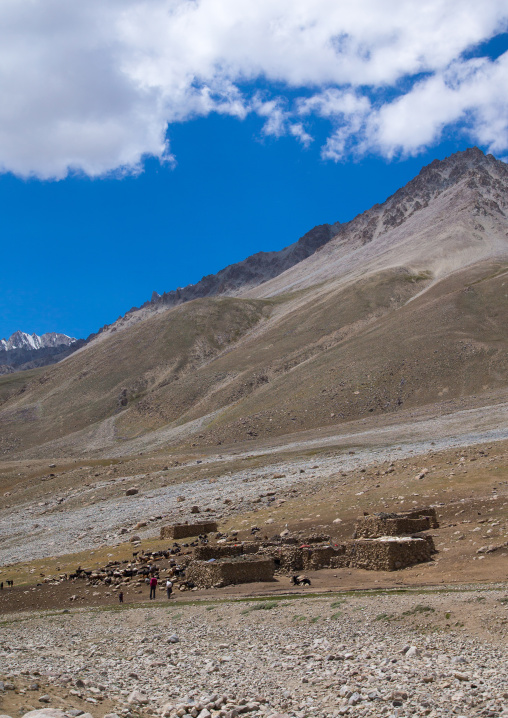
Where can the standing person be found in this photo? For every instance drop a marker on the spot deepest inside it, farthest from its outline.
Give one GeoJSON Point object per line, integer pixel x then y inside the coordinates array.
{"type": "Point", "coordinates": [169, 587]}
{"type": "Point", "coordinates": [153, 586]}
{"type": "Point", "coordinates": [120, 597]}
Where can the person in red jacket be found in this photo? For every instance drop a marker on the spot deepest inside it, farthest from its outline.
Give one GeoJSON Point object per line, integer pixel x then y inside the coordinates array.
{"type": "Point", "coordinates": [153, 586]}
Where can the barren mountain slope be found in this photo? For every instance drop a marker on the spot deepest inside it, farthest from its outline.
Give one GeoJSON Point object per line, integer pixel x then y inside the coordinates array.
{"type": "Point", "coordinates": [106, 377]}
{"type": "Point", "coordinates": [450, 216]}
{"type": "Point", "coordinates": [407, 306]}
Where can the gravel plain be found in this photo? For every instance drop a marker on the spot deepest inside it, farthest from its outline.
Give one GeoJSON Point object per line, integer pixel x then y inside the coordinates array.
{"type": "Point", "coordinates": [441, 653]}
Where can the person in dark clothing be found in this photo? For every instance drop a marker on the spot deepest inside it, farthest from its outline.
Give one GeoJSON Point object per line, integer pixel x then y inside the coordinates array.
{"type": "Point", "coordinates": [120, 597]}
{"type": "Point", "coordinates": [153, 586]}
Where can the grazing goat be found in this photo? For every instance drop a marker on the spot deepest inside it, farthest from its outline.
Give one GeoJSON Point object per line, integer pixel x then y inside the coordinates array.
{"type": "Point", "coordinates": [300, 581]}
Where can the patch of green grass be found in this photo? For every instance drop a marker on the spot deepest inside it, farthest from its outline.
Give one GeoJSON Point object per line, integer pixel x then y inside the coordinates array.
{"type": "Point", "coordinates": [210, 608]}
{"type": "Point", "coordinates": [336, 615]}
{"type": "Point", "coordinates": [315, 619]}
{"type": "Point", "coordinates": [419, 608]}
{"type": "Point", "coordinates": [337, 604]}
{"type": "Point", "coordinates": [262, 606]}
{"type": "Point", "coordinates": [447, 615]}
{"type": "Point", "coordinates": [298, 618]}
{"type": "Point", "coordinates": [384, 617]}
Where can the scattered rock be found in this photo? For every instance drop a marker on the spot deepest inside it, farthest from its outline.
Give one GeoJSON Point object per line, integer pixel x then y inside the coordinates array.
{"type": "Point", "coordinates": [137, 698]}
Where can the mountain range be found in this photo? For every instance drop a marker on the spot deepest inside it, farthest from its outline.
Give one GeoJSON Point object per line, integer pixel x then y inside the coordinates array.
{"type": "Point", "coordinates": [27, 351]}
{"type": "Point", "coordinates": [401, 308]}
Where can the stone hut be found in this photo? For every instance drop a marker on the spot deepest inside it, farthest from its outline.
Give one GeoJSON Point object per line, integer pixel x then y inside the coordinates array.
{"type": "Point", "coordinates": [227, 571]}
{"type": "Point", "coordinates": [403, 524]}
{"type": "Point", "coordinates": [387, 553]}
{"type": "Point", "coordinates": [205, 553]}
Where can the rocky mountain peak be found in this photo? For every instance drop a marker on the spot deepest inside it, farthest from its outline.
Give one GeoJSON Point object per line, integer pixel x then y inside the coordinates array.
{"type": "Point", "coordinates": [27, 351]}
{"type": "Point", "coordinates": [22, 340]}
{"type": "Point", "coordinates": [477, 171]}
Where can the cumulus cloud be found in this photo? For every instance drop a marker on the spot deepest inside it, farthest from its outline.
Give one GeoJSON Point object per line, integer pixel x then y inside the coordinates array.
{"type": "Point", "coordinates": [93, 86]}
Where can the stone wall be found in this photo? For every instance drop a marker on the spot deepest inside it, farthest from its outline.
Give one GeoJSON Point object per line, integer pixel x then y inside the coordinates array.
{"type": "Point", "coordinates": [376, 526]}
{"type": "Point", "coordinates": [429, 511]}
{"type": "Point", "coordinates": [285, 558]}
{"type": "Point", "coordinates": [387, 554]}
{"type": "Point", "coordinates": [321, 556]}
{"type": "Point", "coordinates": [227, 571]}
{"type": "Point", "coordinates": [179, 531]}
{"type": "Point", "coordinates": [289, 559]}
{"type": "Point", "coordinates": [204, 553]}
{"type": "Point", "coordinates": [380, 554]}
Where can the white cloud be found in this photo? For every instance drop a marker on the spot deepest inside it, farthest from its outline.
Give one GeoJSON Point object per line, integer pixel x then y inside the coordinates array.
{"type": "Point", "coordinates": [474, 94]}
{"type": "Point", "coordinates": [93, 85]}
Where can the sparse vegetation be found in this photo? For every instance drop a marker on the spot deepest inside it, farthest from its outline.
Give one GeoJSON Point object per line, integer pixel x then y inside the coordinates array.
{"type": "Point", "coordinates": [419, 608]}
{"type": "Point", "coordinates": [261, 606]}
{"type": "Point", "coordinates": [337, 604]}
{"type": "Point", "coordinates": [419, 276]}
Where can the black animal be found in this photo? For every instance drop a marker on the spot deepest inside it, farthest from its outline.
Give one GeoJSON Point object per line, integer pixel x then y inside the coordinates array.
{"type": "Point", "coordinates": [300, 581]}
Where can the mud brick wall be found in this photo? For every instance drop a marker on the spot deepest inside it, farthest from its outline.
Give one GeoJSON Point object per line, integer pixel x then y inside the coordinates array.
{"type": "Point", "coordinates": [179, 531]}
{"type": "Point", "coordinates": [376, 526]}
{"type": "Point", "coordinates": [379, 555]}
{"type": "Point", "coordinates": [225, 572]}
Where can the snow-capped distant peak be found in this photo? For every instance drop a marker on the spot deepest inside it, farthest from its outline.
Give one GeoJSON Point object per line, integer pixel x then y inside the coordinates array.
{"type": "Point", "coordinates": [21, 340]}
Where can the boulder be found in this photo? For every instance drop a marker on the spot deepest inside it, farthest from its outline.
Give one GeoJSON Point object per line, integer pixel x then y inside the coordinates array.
{"type": "Point", "coordinates": [135, 697]}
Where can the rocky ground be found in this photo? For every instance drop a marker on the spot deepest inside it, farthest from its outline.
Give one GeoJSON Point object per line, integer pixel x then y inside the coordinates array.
{"type": "Point", "coordinates": [429, 640]}
{"type": "Point", "coordinates": [53, 509]}
{"type": "Point", "coordinates": [434, 653]}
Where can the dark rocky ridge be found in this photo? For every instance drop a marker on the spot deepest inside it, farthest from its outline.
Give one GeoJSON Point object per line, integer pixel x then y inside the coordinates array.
{"type": "Point", "coordinates": [233, 279]}
{"type": "Point", "coordinates": [250, 272]}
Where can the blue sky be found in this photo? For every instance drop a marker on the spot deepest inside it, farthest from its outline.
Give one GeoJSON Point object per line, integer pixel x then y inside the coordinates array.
{"type": "Point", "coordinates": [117, 183]}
